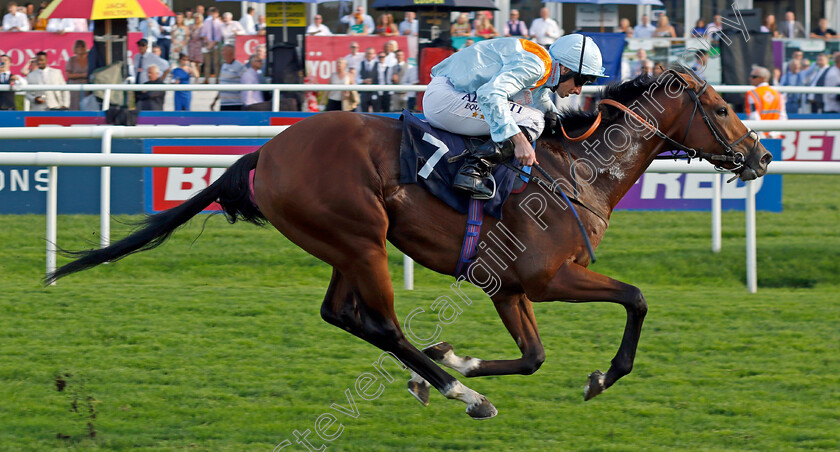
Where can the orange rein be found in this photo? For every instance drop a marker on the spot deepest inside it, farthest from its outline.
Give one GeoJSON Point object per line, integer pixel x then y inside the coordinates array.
{"type": "Point", "coordinates": [621, 107]}
{"type": "Point", "coordinates": [630, 112]}
{"type": "Point", "coordinates": [585, 134]}
{"type": "Point", "coordinates": [597, 122]}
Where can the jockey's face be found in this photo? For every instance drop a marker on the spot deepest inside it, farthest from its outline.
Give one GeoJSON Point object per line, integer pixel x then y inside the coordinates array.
{"type": "Point", "coordinates": [568, 87]}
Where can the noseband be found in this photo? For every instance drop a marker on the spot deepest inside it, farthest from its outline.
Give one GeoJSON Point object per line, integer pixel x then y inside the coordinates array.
{"type": "Point", "coordinates": [729, 153]}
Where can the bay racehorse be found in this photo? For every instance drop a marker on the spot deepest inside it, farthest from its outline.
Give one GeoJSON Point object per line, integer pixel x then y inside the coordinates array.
{"type": "Point", "coordinates": [329, 184]}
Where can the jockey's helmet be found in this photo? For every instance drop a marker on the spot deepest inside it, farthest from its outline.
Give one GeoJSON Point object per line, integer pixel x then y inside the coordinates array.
{"type": "Point", "coordinates": [581, 55]}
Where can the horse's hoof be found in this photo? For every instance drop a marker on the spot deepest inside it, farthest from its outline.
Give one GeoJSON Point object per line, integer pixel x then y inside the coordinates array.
{"type": "Point", "coordinates": [482, 410]}
{"type": "Point", "coordinates": [594, 386]}
{"type": "Point", "coordinates": [420, 391]}
{"type": "Point", "coordinates": [437, 351]}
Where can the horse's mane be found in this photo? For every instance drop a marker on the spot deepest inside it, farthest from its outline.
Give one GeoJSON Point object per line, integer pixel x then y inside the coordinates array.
{"type": "Point", "coordinates": [624, 92]}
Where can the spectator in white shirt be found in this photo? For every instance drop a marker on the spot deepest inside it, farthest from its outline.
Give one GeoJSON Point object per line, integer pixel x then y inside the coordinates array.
{"type": "Point", "coordinates": [390, 49]}
{"type": "Point", "coordinates": [354, 58]}
{"type": "Point", "coordinates": [367, 21]}
{"type": "Point", "coordinates": [644, 29]}
{"type": "Point", "coordinates": [15, 20]}
{"type": "Point", "coordinates": [318, 28]}
{"type": "Point", "coordinates": [410, 25]}
{"type": "Point", "coordinates": [249, 24]}
{"type": "Point", "coordinates": [45, 75]}
{"type": "Point", "coordinates": [544, 29]}
{"type": "Point", "coordinates": [61, 26]}
{"type": "Point", "coordinates": [261, 25]}
{"type": "Point", "coordinates": [230, 28]}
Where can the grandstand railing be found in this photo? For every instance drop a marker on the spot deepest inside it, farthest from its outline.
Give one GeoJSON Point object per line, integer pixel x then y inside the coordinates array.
{"type": "Point", "coordinates": [105, 159]}
{"type": "Point", "coordinates": [276, 89]}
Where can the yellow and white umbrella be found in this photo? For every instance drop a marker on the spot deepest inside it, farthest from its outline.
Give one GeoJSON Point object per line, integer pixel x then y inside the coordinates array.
{"type": "Point", "coordinates": [105, 9]}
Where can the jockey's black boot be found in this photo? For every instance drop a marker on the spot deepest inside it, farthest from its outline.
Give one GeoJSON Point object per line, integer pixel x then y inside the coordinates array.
{"type": "Point", "coordinates": [476, 171]}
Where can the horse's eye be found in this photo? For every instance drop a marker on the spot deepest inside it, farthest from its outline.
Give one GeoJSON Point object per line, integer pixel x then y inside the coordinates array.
{"type": "Point", "coordinates": [722, 111]}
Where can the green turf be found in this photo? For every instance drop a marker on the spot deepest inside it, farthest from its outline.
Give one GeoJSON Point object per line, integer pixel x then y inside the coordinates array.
{"type": "Point", "coordinates": [217, 344]}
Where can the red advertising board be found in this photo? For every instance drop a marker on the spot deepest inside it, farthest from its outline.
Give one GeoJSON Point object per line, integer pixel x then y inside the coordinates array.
{"type": "Point", "coordinates": [322, 51]}
{"type": "Point", "coordinates": [22, 46]}
{"type": "Point", "coordinates": [246, 45]}
{"type": "Point", "coordinates": [172, 186]}
{"type": "Point", "coordinates": [805, 146]}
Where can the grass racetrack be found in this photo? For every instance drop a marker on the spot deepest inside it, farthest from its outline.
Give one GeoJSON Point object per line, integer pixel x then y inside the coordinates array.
{"type": "Point", "coordinates": [217, 344]}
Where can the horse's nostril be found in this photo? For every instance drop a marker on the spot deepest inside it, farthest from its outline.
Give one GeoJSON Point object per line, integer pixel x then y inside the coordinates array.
{"type": "Point", "coordinates": [766, 159]}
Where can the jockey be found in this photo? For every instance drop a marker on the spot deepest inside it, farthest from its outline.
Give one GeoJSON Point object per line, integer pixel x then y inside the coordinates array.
{"type": "Point", "coordinates": [501, 87]}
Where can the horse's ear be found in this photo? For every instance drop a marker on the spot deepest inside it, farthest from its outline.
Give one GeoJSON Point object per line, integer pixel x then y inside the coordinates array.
{"type": "Point", "coordinates": [607, 113]}
{"type": "Point", "coordinates": [690, 81]}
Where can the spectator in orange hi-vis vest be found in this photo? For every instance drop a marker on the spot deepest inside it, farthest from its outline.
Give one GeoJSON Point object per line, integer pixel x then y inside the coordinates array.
{"type": "Point", "coordinates": [764, 102]}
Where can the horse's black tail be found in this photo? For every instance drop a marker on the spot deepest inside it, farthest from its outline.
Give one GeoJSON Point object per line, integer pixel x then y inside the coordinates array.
{"type": "Point", "coordinates": [232, 191]}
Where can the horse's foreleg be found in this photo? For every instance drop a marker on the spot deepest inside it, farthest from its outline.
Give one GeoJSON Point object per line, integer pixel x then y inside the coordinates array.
{"type": "Point", "coordinates": [576, 284]}
{"type": "Point", "coordinates": [517, 314]}
{"type": "Point", "coordinates": [360, 300]}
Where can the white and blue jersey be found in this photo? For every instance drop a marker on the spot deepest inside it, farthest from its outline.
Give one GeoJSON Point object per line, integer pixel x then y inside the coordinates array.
{"type": "Point", "coordinates": [499, 76]}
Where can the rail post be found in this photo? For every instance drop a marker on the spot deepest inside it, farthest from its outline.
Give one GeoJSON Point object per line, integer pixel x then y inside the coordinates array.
{"type": "Point", "coordinates": [408, 273]}
{"type": "Point", "coordinates": [106, 99]}
{"type": "Point", "coordinates": [716, 213]}
{"type": "Point", "coordinates": [105, 192]}
{"type": "Point", "coordinates": [752, 270]}
{"type": "Point", "coordinates": [52, 218]}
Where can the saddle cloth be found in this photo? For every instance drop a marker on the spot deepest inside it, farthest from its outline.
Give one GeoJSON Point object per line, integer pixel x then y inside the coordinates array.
{"type": "Point", "coordinates": [424, 160]}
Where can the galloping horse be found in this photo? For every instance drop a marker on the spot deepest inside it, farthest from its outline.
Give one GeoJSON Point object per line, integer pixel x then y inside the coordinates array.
{"type": "Point", "coordinates": [330, 184]}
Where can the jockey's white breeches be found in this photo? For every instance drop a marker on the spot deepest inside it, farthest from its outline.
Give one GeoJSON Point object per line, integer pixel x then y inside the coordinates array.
{"type": "Point", "coordinates": [456, 111]}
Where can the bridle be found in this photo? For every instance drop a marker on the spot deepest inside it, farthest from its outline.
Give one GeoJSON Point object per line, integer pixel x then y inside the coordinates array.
{"type": "Point", "coordinates": [729, 152]}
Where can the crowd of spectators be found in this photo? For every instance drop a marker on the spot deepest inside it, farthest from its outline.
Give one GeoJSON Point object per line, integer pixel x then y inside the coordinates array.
{"type": "Point", "coordinates": [386, 67]}
{"type": "Point", "coordinates": [799, 71]}
{"type": "Point", "coordinates": [24, 17]}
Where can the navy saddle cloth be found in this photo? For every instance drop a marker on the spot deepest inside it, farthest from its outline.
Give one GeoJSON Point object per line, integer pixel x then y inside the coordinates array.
{"type": "Point", "coordinates": [424, 160]}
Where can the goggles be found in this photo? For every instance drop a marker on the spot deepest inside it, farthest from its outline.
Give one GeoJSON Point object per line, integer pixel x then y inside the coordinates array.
{"type": "Point", "coordinates": [582, 80]}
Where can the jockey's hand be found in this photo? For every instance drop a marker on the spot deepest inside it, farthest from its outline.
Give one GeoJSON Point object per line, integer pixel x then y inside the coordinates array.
{"type": "Point", "coordinates": [552, 121]}
{"type": "Point", "coordinates": [523, 150]}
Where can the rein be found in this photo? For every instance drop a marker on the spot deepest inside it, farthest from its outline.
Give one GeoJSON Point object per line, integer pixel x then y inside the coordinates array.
{"type": "Point", "coordinates": [729, 155]}
{"type": "Point", "coordinates": [586, 134]}
{"type": "Point", "coordinates": [555, 189]}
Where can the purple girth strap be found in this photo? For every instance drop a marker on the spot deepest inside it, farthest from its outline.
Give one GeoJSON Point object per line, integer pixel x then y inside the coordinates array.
{"type": "Point", "coordinates": [475, 216]}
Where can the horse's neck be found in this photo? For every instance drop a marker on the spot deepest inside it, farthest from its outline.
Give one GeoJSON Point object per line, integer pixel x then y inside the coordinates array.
{"type": "Point", "coordinates": [617, 167]}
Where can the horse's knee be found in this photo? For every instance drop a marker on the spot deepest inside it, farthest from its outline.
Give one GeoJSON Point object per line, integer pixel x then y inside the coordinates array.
{"type": "Point", "coordinates": [533, 362]}
{"type": "Point", "coordinates": [636, 301]}
{"type": "Point", "coordinates": [329, 315]}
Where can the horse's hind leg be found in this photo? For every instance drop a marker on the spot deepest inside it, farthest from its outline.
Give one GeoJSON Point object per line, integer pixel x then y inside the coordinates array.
{"type": "Point", "coordinates": [517, 314]}
{"type": "Point", "coordinates": [577, 284]}
{"type": "Point", "coordinates": [360, 300]}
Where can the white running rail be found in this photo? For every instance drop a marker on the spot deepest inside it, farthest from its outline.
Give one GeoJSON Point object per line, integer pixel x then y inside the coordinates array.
{"type": "Point", "coordinates": [105, 159]}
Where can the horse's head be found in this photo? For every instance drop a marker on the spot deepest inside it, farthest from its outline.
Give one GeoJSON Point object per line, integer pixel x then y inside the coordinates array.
{"type": "Point", "coordinates": [716, 133]}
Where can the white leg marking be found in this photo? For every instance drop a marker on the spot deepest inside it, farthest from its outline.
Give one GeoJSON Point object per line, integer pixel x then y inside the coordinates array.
{"type": "Point", "coordinates": [458, 391]}
{"type": "Point", "coordinates": [463, 365]}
